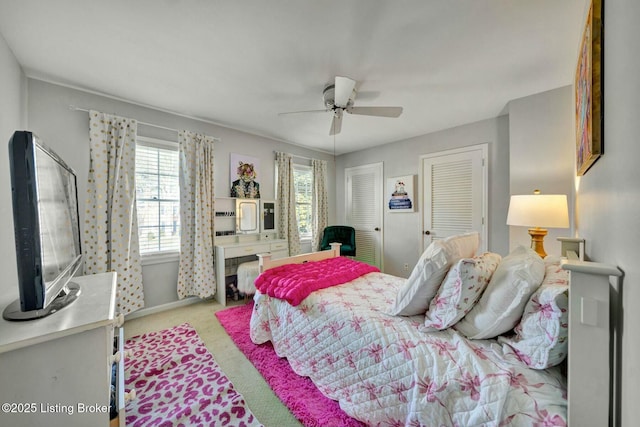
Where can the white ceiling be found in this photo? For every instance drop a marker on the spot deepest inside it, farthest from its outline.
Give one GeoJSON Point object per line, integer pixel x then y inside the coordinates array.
{"type": "Point", "coordinates": [240, 63]}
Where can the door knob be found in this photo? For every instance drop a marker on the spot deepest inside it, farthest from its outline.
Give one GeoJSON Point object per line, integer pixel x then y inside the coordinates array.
{"type": "Point", "coordinates": [427, 232]}
{"type": "Point", "coordinates": [377, 229]}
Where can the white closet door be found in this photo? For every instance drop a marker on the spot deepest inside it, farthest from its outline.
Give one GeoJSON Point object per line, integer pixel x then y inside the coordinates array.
{"type": "Point", "coordinates": [454, 193]}
{"type": "Point", "coordinates": [364, 211]}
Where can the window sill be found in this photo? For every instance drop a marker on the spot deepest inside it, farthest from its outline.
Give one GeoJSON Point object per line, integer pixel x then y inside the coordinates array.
{"type": "Point", "coordinates": [160, 258]}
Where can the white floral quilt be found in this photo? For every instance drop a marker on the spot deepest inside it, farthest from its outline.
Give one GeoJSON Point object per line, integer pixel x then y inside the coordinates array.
{"type": "Point", "coordinates": [385, 372]}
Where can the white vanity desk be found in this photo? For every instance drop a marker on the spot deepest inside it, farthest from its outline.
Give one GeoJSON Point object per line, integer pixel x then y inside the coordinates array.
{"type": "Point", "coordinates": [251, 225]}
{"type": "Point", "coordinates": [235, 249]}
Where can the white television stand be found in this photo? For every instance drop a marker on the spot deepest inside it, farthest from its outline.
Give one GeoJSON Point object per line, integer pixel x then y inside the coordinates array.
{"type": "Point", "coordinates": [56, 370]}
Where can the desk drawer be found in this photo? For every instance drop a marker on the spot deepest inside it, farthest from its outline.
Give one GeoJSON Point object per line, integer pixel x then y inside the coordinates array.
{"type": "Point", "coordinates": [246, 250]}
{"type": "Point", "coordinates": [279, 246]}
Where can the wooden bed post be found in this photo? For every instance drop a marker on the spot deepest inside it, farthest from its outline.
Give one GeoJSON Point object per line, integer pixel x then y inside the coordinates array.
{"type": "Point", "coordinates": [263, 259]}
{"type": "Point", "coordinates": [590, 343]}
{"type": "Point", "coordinates": [335, 248]}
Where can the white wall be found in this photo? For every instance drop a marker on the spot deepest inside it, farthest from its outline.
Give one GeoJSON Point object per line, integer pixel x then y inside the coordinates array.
{"type": "Point", "coordinates": [66, 132]}
{"type": "Point", "coordinates": [608, 195]}
{"type": "Point", "coordinates": [402, 232]}
{"type": "Point", "coordinates": [13, 116]}
{"type": "Point", "coordinates": [531, 147]}
{"type": "Point", "coordinates": [541, 143]}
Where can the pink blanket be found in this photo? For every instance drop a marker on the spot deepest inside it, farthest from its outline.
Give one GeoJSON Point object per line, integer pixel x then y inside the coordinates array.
{"type": "Point", "coordinates": [294, 282]}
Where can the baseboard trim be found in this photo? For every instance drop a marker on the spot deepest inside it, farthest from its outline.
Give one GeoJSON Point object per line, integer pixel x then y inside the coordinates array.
{"type": "Point", "coordinates": [162, 307]}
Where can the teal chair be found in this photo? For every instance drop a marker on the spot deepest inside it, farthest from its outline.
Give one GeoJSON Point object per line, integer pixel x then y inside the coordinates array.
{"type": "Point", "coordinates": [342, 234]}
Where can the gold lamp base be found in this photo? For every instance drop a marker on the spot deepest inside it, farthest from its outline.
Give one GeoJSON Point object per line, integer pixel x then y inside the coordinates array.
{"type": "Point", "coordinates": [537, 238]}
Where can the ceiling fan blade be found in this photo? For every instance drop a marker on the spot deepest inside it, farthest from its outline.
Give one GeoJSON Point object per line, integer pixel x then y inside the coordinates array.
{"type": "Point", "coordinates": [336, 123]}
{"type": "Point", "coordinates": [306, 111]}
{"type": "Point", "coordinates": [343, 90]}
{"type": "Point", "coordinates": [376, 111]}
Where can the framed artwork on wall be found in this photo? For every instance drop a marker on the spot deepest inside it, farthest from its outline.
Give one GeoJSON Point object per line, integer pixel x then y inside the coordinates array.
{"type": "Point", "coordinates": [243, 175]}
{"type": "Point", "coordinates": [589, 92]}
{"type": "Point", "coordinates": [401, 194]}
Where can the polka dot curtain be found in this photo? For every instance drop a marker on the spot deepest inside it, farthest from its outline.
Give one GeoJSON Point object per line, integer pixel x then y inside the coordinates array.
{"type": "Point", "coordinates": [286, 193]}
{"type": "Point", "coordinates": [196, 273]}
{"type": "Point", "coordinates": [110, 227]}
{"type": "Point", "coordinates": [320, 201]}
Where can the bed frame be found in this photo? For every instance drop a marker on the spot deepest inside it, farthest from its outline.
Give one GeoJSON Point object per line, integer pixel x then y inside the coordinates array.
{"type": "Point", "coordinates": [592, 369]}
{"type": "Point", "coordinates": [592, 362]}
{"type": "Point", "coordinates": [265, 262]}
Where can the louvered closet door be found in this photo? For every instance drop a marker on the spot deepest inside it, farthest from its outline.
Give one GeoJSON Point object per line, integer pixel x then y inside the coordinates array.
{"type": "Point", "coordinates": [455, 194]}
{"type": "Point", "coordinates": [364, 211]}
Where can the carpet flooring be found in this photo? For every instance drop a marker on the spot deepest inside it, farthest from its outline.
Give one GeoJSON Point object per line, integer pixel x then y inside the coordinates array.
{"type": "Point", "coordinates": [298, 393]}
{"type": "Point", "coordinates": [178, 383]}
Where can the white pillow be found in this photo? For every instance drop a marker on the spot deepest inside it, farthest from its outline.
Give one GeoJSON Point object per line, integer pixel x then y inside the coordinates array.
{"type": "Point", "coordinates": [541, 337]}
{"type": "Point", "coordinates": [502, 303]}
{"type": "Point", "coordinates": [460, 291]}
{"type": "Point", "coordinates": [425, 279]}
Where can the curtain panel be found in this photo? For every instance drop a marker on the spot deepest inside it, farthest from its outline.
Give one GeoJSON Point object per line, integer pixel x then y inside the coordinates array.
{"type": "Point", "coordinates": [196, 275]}
{"type": "Point", "coordinates": [111, 222]}
{"type": "Point", "coordinates": [320, 201]}
{"type": "Point", "coordinates": [286, 195]}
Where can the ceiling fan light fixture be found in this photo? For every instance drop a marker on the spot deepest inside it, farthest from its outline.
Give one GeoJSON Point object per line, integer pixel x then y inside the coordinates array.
{"type": "Point", "coordinates": [339, 97]}
{"type": "Point", "coordinates": [328, 96]}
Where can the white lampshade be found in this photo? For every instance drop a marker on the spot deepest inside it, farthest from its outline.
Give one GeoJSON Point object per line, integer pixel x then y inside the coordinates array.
{"type": "Point", "coordinates": [539, 210]}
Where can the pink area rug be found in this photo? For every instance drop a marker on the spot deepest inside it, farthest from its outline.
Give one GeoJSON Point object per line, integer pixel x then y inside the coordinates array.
{"type": "Point", "coordinates": [298, 393]}
{"type": "Point", "coordinates": [178, 383]}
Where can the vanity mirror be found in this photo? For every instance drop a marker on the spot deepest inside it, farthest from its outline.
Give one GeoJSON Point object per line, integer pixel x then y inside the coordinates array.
{"type": "Point", "coordinates": [247, 216]}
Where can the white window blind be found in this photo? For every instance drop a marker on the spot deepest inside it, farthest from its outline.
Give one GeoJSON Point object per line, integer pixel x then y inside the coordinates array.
{"type": "Point", "coordinates": [303, 183]}
{"type": "Point", "coordinates": [158, 198]}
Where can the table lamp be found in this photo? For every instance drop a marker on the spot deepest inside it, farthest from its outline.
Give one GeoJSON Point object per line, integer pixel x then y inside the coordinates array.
{"type": "Point", "coordinates": [539, 210]}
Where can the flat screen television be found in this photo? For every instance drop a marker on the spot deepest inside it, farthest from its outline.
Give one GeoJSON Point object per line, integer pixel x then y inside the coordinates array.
{"type": "Point", "coordinates": [46, 228]}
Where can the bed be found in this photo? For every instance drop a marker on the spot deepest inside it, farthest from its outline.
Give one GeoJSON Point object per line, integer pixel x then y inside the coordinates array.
{"type": "Point", "coordinates": [387, 369]}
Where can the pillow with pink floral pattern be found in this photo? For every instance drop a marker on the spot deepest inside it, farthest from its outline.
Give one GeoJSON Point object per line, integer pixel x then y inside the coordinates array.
{"type": "Point", "coordinates": [414, 296]}
{"type": "Point", "coordinates": [501, 305]}
{"type": "Point", "coordinates": [541, 337]}
{"type": "Point", "coordinates": [460, 291]}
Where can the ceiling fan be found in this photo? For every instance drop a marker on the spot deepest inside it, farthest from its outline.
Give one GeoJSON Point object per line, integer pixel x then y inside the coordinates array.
{"type": "Point", "coordinates": [339, 97]}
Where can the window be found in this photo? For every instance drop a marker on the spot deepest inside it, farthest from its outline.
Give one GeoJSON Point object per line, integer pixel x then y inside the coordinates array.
{"type": "Point", "coordinates": [157, 196]}
{"type": "Point", "coordinates": [303, 182]}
